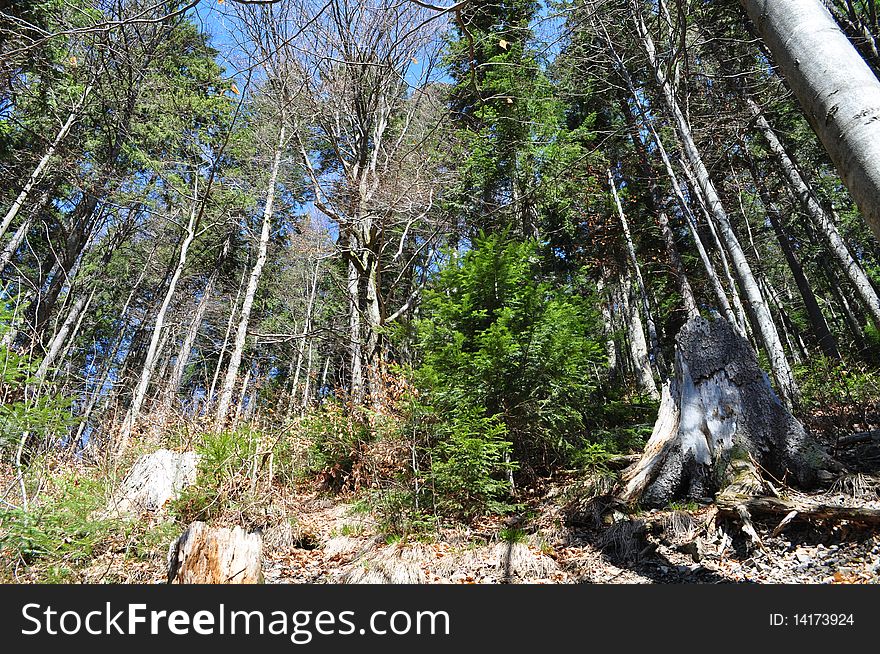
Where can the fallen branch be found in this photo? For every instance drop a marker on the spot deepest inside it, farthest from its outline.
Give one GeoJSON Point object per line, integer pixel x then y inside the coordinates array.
{"type": "Point", "coordinates": [859, 437]}
{"type": "Point", "coordinates": [728, 505]}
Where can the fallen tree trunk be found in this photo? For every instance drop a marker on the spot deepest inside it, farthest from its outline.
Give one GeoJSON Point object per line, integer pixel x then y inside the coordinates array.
{"type": "Point", "coordinates": [728, 504]}
{"type": "Point", "coordinates": [719, 424]}
{"type": "Point", "coordinates": [205, 555]}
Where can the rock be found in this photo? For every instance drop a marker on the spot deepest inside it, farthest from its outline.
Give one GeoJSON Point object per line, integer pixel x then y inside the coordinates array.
{"type": "Point", "coordinates": [153, 480]}
{"type": "Point", "coordinates": [803, 557]}
{"type": "Point", "coordinates": [206, 555]}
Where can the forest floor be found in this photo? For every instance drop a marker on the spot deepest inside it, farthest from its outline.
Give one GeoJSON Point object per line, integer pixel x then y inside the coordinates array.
{"type": "Point", "coordinates": [565, 532]}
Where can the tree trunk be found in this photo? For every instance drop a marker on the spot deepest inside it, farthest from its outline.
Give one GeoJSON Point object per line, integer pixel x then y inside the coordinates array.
{"type": "Point", "coordinates": [638, 347]}
{"type": "Point", "coordinates": [819, 325]}
{"type": "Point", "coordinates": [655, 358]}
{"type": "Point", "coordinates": [838, 92]}
{"type": "Point", "coordinates": [858, 32]}
{"type": "Point", "coordinates": [820, 218]}
{"type": "Point", "coordinates": [192, 333]}
{"type": "Point", "coordinates": [719, 421]}
{"type": "Point", "coordinates": [251, 292]}
{"type": "Point", "coordinates": [356, 381]}
{"type": "Point", "coordinates": [140, 392]}
{"type": "Point", "coordinates": [684, 286]}
{"type": "Point", "coordinates": [63, 332]}
{"type": "Point", "coordinates": [776, 353]}
{"type": "Point", "coordinates": [35, 176]}
{"type": "Point", "coordinates": [215, 555]}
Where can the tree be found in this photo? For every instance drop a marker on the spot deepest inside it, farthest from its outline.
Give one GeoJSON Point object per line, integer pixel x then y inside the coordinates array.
{"type": "Point", "coordinates": [837, 90]}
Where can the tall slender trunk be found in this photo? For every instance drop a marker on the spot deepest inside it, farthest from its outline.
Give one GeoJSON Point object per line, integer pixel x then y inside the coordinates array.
{"type": "Point", "coordinates": [697, 193]}
{"type": "Point", "coordinates": [307, 328]}
{"type": "Point", "coordinates": [655, 354]}
{"type": "Point", "coordinates": [37, 173]}
{"type": "Point", "coordinates": [638, 346]}
{"type": "Point", "coordinates": [687, 293]}
{"type": "Point", "coordinates": [838, 92]}
{"type": "Point", "coordinates": [21, 232]}
{"type": "Point", "coordinates": [247, 304]}
{"type": "Point", "coordinates": [608, 324]}
{"type": "Point", "coordinates": [186, 347]}
{"type": "Point", "coordinates": [146, 375]}
{"type": "Point", "coordinates": [821, 218]}
{"type": "Point", "coordinates": [60, 338]}
{"type": "Point", "coordinates": [233, 310]}
{"type": "Point", "coordinates": [356, 381]}
{"type": "Point", "coordinates": [779, 365]}
{"type": "Point", "coordinates": [819, 325]}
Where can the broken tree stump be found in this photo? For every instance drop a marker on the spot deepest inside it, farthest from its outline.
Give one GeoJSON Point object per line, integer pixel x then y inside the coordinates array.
{"type": "Point", "coordinates": [720, 425]}
{"type": "Point", "coordinates": [215, 555]}
{"type": "Point", "coordinates": [153, 480]}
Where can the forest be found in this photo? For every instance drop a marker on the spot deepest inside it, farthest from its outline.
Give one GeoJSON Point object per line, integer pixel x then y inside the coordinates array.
{"type": "Point", "coordinates": [397, 291]}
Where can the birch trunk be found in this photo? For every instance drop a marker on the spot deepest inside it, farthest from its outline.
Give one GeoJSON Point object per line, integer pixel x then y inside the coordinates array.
{"type": "Point", "coordinates": [638, 346]}
{"type": "Point", "coordinates": [37, 173]}
{"type": "Point", "coordinates": [823, 221]}
{"type": "Point", "coordinates": [192, 333]}
{"type": "Point", "coordinates": [251, 292]}
{"type": "Point", "coordinates": [838, 92]}
{"type": "Point", "coordinates": [764, 320]}
{"type": "Point", "coordinates": [60, 338]}
{"type": "Point", "coordinates": [737, 319]}
{"type": "Point", "coordinates": [655, 355]}
{"type": "Point", "coordinates": [146, 375]}
{"type": "Point", "coordinates": [819, 325]}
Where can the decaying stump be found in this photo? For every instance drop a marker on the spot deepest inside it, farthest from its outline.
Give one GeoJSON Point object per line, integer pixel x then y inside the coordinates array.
{"type": "Point", "coordinates": [206, 555]}
{"type": "Point", "coordinates": [719, 424]}
{"type": "Point", "coordinates": [153, 480]}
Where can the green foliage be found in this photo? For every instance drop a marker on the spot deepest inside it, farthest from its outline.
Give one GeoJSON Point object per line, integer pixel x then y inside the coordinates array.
{"type": "Point", "coordinates": [826, 383]}
{"type": "Point", "coordinates": [60, 529]}
{"type": "Point", "coordinates": [470, 466]}
{"type": "Point", "coordinates": [499, 342]}
{"type": "Point", "coordinates": [43, 419]}
{"type": "Point", "coordinates": [513, 535]}
{"type": "Point", "coordinates": [224, 476]}
{"type": "Point", "coordinates": [336, 439]}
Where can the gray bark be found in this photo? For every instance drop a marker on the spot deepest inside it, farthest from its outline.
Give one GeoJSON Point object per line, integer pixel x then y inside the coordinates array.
{"type": "Point", "coordinates": [838, 92]}
{"type": "Point", "coordinates": [251, 291]}
{"type": "Point", "coordinates": [40, 168]}
{"type": "Point", "coordinates": [764, 321]}
{"type": "Point", "coordinates": [821, 218]}
{"type": "Point", "coordinates": [140, 392]}
{"type": "Point", "coordinates": [655, 354]}
{"type": "Point", "coordinates": [718, 417]}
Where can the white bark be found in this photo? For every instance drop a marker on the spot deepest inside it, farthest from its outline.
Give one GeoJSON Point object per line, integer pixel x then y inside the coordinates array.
{"type": "Point", "coordinates": [638, 346]}
{"type": "Point", "coordinates": [837, 90]}
{"type": "Point", "coordinates": [146, 376]}
{"type": "Point", "coordinates": [764, 320]}
{"type": "Point", "coordinates": [820, 217]}
{"type": "Point", "coordinates": [37, 173]}
{"type": "Point", "coordinates": [251, 292]}
{"type": "Point", "coordinates": [655, 357]}
{"type": "Point", "coordinates": [153, 480]}
{"type": "Point", "coordinates": [63, 332]}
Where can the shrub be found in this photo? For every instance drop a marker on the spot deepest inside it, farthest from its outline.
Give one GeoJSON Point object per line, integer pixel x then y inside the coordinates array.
{"type": "Point", "coordinates": [470, 466]}
{"type": "Point", "coordinates": [829, 384]}
{"type": "Point", "coordinates": [41, 420]}
{"type": "Point", "coordinates": [500, 342]}
{"type": "Point", "coordinates": [224, 479]}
